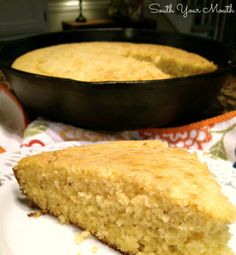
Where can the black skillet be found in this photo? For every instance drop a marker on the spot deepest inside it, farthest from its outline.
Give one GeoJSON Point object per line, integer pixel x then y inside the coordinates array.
{"type": "Point", "coordinates": [119, 105]}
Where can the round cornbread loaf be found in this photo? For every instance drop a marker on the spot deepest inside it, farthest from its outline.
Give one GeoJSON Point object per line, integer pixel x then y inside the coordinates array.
{"type": "Point", "coordinates": [112, 61]}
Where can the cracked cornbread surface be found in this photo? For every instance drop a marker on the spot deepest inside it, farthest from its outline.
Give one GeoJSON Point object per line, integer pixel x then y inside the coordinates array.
{"type": "Point", "coordinates": [112, 61]}
{"type": "Point", "coordinates": [139, 197]}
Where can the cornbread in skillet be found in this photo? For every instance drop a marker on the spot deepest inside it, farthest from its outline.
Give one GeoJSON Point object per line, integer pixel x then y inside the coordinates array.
{"type": "Point", "coordinates": [139, 197]}
{"type": "Point", "coordinates": [112, 61]}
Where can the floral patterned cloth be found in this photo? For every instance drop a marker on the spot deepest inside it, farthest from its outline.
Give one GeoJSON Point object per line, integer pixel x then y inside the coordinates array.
{"type": "Point", "coordinates": [215, 136]}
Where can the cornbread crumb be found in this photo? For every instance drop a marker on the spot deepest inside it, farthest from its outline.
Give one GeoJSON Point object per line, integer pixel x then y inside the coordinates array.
{"type": "Point", "coordinates": [139, 197]}
{"type": "Point", "coordinates": [35, 214]}
{"type": "Point", "coordinates": [61, 219]}
{"type": "Point", "coordinates": [98, 61]}
{"type": "Point", "coordinates": [94, 249]}
{"type": "Point", "coordinates": [80, 237]}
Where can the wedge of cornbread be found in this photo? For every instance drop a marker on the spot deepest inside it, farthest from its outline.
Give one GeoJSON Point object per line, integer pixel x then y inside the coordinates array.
{"type": "Point", "coordinates": [113, 61]}
{"type": "Point", "coordinates": [139, 197]}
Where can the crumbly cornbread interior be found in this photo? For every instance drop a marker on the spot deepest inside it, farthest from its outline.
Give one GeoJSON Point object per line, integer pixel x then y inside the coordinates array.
{"type": "Point", "coordinates": [139, 197]}
{"type": "Point", "coordinates": [112, 61]}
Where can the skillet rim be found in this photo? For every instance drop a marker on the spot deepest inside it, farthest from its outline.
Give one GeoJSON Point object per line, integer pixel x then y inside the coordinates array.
{"type": "Point", "coordinates": [113, 84]}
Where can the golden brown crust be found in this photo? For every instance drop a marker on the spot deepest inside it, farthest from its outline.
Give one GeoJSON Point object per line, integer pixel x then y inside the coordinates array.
{"type": "Point", "coordinates": [174, 172]}
{"type": "Point", "coordinates": [113, 61]}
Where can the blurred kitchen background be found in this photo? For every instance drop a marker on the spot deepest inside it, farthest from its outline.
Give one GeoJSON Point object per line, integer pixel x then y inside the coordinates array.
{"type": "Point", "coordinates": [26, 17]}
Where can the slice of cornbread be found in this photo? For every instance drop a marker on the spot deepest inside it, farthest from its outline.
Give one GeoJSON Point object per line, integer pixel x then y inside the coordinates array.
{"type": "Point", "coordinates": [139, 197]}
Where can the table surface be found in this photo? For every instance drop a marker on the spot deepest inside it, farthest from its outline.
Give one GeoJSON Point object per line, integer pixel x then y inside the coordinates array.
{"type": "Point", "coordinates": [226, 100]}
{"type": "Point", "coordinates": [88, 22]}
{"type": "Point", "coordinates": [100, 23]}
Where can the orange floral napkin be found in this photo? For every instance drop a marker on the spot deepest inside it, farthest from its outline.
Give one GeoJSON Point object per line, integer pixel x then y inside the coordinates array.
{"type": "Point", "coordinates": [215, 136]}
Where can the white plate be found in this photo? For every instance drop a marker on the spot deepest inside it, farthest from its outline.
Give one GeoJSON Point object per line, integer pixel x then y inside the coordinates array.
{"type": "Point", "coordinates": [24, 235]}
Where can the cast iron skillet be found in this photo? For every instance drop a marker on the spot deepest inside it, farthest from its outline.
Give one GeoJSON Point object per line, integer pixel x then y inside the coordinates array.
{"type": "Point", "coordinates": [118, 105]}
